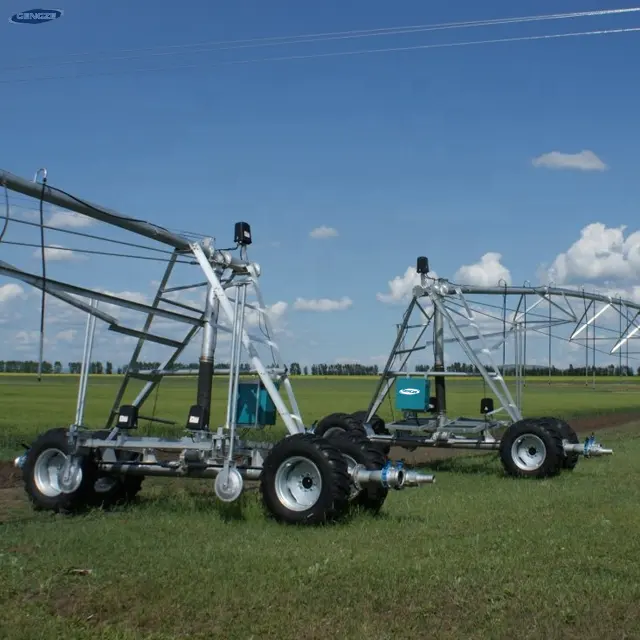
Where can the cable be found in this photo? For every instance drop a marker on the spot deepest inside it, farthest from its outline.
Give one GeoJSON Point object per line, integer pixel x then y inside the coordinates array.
{"type": "Point", "coordinates": [102, 211]}
{"type": "Point", "coordinates": [334, 54]}
{"type": "Point", "coordinates": [6, 223]}
{"type": "Point", "coordinates": [44, 276]}
{"type": "Point", "coordinates": [184, 49]}
{"type": "Point", "coordinates": [225, 45]}
{"type": "Point", "coordinates": [95, 252]}
{"type": "Point", "coordinates": [94, 237]}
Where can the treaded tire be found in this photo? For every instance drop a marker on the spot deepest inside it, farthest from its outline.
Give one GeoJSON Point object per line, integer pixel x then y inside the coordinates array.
{"type": "Point", "coordinates": [571, 459]}
{"type": "Point", "coordinates": [379, 428]}
{"type": "Point", "coordinates": [335, 422]}
{"type": "Point", "coordinates": [58, 502]}
{"type": "Point", "coordinates": [566, 432]}
{"type": "Point", "coordinates": [362, 451]}
{"type": "Point", "coordinates": [124, 488]}
{"type": "Point", "coordinates": [539, 433]}
{"type": "Point", "coordinates": [333, 499]}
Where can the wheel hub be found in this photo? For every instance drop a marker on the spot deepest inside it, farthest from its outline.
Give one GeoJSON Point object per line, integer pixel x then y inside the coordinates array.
{"type": "Point", "coordinates": [528, 452]}
{"type": "Point", "coordinates": [298, 483]}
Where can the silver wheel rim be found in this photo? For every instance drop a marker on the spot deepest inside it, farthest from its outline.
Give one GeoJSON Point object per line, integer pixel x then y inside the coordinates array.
{"type": "Point", "coordinates": [298, 483]}
{"type": "Point", "coordinates": [46, 472]}
{"type": "Point", "coordinates": [351, 465]}
{"type": "Point", "coordinates": [528, 452]}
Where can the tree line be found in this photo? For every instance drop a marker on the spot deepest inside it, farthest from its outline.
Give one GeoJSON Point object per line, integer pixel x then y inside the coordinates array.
{"type": "Point", "coordinates": [541, 370]}
{"type": "Point", "coordinates": [295, 369]}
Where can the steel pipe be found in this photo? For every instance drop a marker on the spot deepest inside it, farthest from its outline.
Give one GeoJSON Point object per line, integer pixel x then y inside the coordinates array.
{"type": "Point", "coordinates": [173, 470]}
{"type": "Point", "coordinates": [593, 450]}
{"type": "Point", "coordinates": [390, 477]}
{"type": "Point", "coordinates": [86, 208]}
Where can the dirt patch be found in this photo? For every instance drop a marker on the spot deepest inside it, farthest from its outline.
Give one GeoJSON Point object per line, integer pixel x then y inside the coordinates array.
{"type": "Point", "coordinates": [595, 423]}
{"type": "Point", "coordinates": [9, 475]}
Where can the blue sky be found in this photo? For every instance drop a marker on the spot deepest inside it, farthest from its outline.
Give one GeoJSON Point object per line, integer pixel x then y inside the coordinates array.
{"type": "Point", "coordinates": [402, 153]}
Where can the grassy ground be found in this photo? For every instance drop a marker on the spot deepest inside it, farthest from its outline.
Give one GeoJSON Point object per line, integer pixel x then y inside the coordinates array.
{"type": "Point", "coordinates": [30, 407]}
{"type": "Point", "coordinates": [476, 555]}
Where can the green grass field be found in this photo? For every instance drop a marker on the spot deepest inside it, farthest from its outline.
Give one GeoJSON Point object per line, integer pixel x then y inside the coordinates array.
{"type": "Point", "coordinates": [476, 555]}
{"type": "Point", "coordinates": [30, 407]}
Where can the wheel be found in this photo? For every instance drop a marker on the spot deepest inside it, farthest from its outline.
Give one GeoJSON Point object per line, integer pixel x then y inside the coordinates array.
{"type": "Point", "coordinates": [346, 422]}
{"type": "Point", "coordinates": [335, 423]}
{"type": "Point", "coordinates": [378, 426]}
{"type": "Point", "coordinates": [42, 464]}
{"type": "Point", "coordinates": [116, 489]}
{"type": "Point", "coordinates": [358, 449]}
{"type": "Point", "coordinates": [305, 480]}
{"type": "Point", "coordinates": [529, 448]}
{"type": "Point", "coordinates": [570, 460]}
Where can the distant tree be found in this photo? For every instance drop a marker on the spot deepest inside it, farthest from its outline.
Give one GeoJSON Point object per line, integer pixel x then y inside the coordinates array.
{"type": "Point", "coordinates": [294, 369]}
{"type": "Point", "coordinates": [109, 369]}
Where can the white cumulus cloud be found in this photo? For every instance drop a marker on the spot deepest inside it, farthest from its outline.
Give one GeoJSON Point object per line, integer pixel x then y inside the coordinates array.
{"type": "Point", "coordinates": [322, 304]}
{"type": "Point", "coordinates": [58, 253]}
{"type": "Point", "coordinates": [323, 232]}
{"type": "Point", "coordinates": [276, 313]}
{"type": "Point", "coordinates": [401, 287]}
{"type": "Point", "coordinates": [601, 253]}
{"type": "Point", "coordinates": [69, 219]}
{"type": "Point", "coordinates": [583, 161]}
{"type": "Point", "coordinates": [488, 272]}
{"type": "Point", "coordinates": [11, 291]}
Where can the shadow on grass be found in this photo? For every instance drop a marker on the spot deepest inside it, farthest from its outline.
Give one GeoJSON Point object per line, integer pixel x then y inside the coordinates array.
{"type": "Point", "coordinates": [480, 465]}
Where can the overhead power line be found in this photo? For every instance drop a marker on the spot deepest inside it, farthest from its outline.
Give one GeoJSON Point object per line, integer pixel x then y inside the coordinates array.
{"type": "Point", "coordinates": [226, 45]}
{"type": "Point", "coordinates": [332, 54]}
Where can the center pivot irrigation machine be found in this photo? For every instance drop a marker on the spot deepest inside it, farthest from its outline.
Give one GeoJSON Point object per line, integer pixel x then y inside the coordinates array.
{"type": "Point", "coordinates": [536, 447]}
{"type": "Point", "coordinates": [304, 478]}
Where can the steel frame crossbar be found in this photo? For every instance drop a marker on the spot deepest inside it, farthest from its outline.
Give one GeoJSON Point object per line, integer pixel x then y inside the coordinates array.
{"type": "Point", "coordinates": [214, 264]}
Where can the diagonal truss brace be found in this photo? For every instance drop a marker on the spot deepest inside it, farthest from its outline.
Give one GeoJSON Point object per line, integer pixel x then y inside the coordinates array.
{"type": "Point", "coordinates": [225, 307]}
{"type": "Point", "coordinates": [500, 389]}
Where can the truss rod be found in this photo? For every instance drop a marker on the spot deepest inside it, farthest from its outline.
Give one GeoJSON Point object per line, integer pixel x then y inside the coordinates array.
{"type": "Point", "coordinates": [66, 201]}
{"type": "Point", "coordinates": [37, 282]}
{"type": "Point", "coordinates": [56, 285]}
{"type": "Point", "coordinates": [541, 291]}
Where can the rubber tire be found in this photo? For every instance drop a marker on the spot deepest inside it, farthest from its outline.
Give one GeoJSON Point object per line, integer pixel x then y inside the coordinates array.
{"type": "Point", "coordinates": [75, 502]}
{"type": "Point", "coordinates": [551, 466]}
{"type": "Point", "coordinates": [357, 446]}
{"type": "Point", "coordinates": [570, 460]}
{"type": "Point", "coordinates": [333, 502]}
{"type": "Point", "coordinates": [125, 488]}
{"type": "Point", "coordinates": [338, 420]}
{"type": "Point", "coordinates": [378, 426]}
{"type": "Point", "coordinates": [346, 422]}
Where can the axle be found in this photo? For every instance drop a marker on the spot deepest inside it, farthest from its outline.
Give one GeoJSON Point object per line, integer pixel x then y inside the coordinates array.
{"type": "Point", "coordinates": [389, 476]}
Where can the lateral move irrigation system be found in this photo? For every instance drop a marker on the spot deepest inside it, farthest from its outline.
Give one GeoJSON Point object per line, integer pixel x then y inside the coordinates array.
{"type": "Point", "coordinates": [537, 447]}
{"type": "Point", "coordinates": [304, 478]}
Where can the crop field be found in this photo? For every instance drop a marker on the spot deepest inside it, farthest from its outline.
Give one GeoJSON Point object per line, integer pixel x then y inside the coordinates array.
{"type": "Point", "coordinates": [476, 555]}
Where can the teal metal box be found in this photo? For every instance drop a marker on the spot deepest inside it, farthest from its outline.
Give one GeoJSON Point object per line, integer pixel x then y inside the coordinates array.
{"type": "Point", "coordinates": [255, 406]}
{"type": "Point", "coordinates": [412, 394]}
